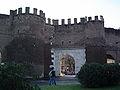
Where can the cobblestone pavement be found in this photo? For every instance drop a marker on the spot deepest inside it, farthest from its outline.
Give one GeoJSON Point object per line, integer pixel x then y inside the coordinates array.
{"type": "Point", "coordinates": [62, 80]}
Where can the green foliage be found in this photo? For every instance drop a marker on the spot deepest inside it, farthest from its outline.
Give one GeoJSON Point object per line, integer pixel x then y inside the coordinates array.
{"type": "Point", "coordinates": [97, 75]}
{"type": "Point", "coordinates": [12, 76]}
{"type": "Point", "coordinates": [112, 74]}
{"type": "Point", "coordinates": [27, 68]}
{"type": "Point", "coordinates": [90, 75]}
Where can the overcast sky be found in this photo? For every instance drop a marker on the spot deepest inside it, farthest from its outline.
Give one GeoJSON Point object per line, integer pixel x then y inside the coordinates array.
{"type": "Point", "coordinates": [64, 9]}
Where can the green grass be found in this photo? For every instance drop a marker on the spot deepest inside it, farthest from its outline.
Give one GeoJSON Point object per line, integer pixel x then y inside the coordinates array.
{"type": "Point", "coordinates": [76, 87]}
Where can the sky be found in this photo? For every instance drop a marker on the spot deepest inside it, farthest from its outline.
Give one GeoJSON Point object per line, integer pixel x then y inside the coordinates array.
{"type": "Point", "coordinates": [64, 9]}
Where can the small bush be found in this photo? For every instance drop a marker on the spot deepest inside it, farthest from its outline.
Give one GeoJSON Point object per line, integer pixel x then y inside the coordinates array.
{"type": "Point", "coordinates": [97, 75]}
{"type": "Point", "coordinates": [90, 75]}
{"type": "Point", "coordinates": [12, 77]}
{"type": "Point", "coordinates": [112, 74]}
{"type": "Point", "coordinates": [27, 69]}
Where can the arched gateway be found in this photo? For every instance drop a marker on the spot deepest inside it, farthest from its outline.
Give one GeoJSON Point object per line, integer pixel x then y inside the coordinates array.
{"type": "Point", "coordinates": [68, 60]}
{"type": "Point", "coordinates": [86, 40]}
{"type": "Point", "coordinates": [67, 65]}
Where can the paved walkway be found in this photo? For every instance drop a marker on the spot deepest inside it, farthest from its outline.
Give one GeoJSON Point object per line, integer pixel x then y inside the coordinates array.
{"type": "Point", "coordinates": [62, 80]}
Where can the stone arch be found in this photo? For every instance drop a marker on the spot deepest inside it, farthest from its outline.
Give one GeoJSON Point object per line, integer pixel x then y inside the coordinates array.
{"type": "Point", "coordinates": [67, 64]}
{"type": "Point", "coordinates": [110, 58]}
{"type": "Point", "coordinates": [77, 53]}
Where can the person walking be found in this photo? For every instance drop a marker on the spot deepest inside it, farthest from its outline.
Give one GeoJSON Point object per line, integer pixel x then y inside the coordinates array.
{"type": "Point", "coordinates": [52, 76]}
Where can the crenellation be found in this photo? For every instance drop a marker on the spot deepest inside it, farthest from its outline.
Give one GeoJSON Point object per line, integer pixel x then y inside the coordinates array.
{"type": "Point", "coordinates": [82, 20]}
{"type": "Point", "coordinates": [52, 21]}
{"type": "Point", "coordinates": [19, 10]}
{"type": "Point", "coordinates": [35, 11]}
{"type": "Point", "coordinates": [27, 10]}
{"type": "Point", "coordinates": [89, 18]}
{"type": "Point", "coordinates": [49, 21]}
{"type": "Point", "coordinates": [62, 21]}
{"type": "Point", "coordinates": [15, 12]}
{"type": "Point", "coordinates": [86, 18]}
{"type": "Point", "coordinates": [11, 12]}
{"type": "Point", "coordinates": [101, 18]}
{"type": "Point", "coordinates": [96, 18]}
{"type": "Point", "coordinates": [69, 21]}
{"type": "Point", "coordinates": [44, 15]}
{"type": "Point", "coordinates": [75, 20]}
{"type": "Point", "coordinates": [55, 22]}
{"type": "Point", "coordinates": [41, 13]}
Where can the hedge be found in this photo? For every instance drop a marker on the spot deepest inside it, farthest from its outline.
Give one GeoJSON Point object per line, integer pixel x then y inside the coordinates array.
{"type": "Point", "coordinates": [95, 75]}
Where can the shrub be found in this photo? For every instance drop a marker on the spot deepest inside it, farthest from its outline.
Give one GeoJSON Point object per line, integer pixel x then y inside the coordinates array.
{"type": "Point", "coordinates": [112, 74]}
{"type": "Point", "coordinates": [27, 69]}
{"type": "Point", "coordinates": [97, 75]}
{"type": "Point", "coordinates": [11, 77]}
{"type": "Point", "coordinates": [90, 75]}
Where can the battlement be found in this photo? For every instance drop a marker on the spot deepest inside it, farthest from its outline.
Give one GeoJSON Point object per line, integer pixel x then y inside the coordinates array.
{"type": "Point", "coordinates": [82, 20]}
{"type": "Point", "coordinates": [27, 11]}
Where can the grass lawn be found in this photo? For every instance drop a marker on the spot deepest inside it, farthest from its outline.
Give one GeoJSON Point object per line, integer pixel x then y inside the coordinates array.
{"type": "Point", "coordinates": [76, 87]}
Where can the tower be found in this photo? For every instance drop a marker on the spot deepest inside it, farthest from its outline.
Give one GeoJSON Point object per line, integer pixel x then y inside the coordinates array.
{"type": "Point", "coordinates": [95, 40]}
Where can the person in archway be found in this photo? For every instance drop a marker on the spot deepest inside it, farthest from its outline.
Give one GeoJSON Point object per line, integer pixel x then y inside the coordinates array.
{"type": "Point", "coordinates": [52, 76]}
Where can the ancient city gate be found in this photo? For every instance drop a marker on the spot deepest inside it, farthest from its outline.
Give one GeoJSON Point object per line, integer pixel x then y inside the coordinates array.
{"type": "Point", "coordinates": [77, 57]}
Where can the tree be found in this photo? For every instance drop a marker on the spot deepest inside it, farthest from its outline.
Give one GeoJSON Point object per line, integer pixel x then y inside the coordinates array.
{"type": "Point", "coordinates": [12, 77]}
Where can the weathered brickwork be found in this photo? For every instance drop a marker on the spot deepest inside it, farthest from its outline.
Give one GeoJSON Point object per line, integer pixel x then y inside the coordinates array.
{"type": "Point", "coordinates": [88, 34]}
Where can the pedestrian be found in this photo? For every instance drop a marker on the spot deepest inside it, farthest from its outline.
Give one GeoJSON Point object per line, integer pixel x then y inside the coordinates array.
{"type": "Point", "coordinates": [52, 76]}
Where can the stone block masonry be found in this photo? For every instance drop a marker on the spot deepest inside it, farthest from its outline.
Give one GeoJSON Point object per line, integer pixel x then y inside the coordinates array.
{"type": "Point", "coordinates": [87, 36]}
